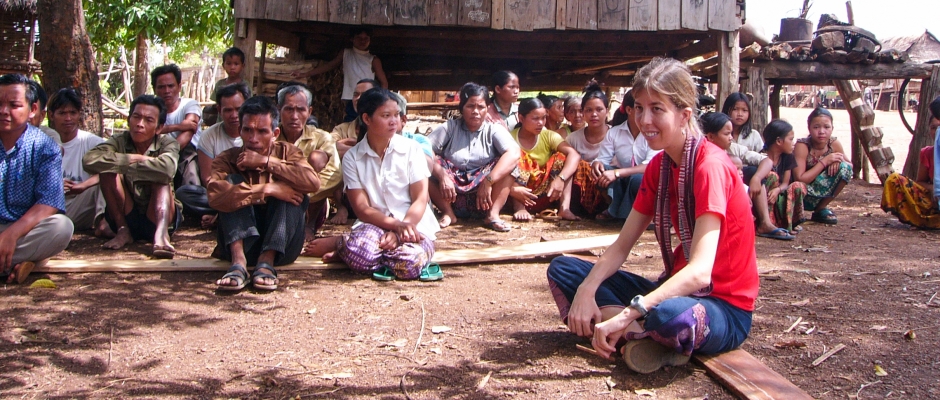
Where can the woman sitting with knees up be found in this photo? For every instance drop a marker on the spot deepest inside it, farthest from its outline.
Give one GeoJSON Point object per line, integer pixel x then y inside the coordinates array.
{"type": "Point", "coordinates": [914, 202]}
{"type": "Point", "coordinates": [784, 193]}
{"type": "Point", "coordinates": [386, 179]}
{"type": "Point", "coordinates": [738, 107]}
{"type": "Point", "coordinates": [822, 165]}
{"type": "Point", "coordinates": [546, 166]}
{"type": "Point", "coordinates": [589, 142]}
{"type": "Point", "coordinates": [717, 129]}
{"type": "Point", "coordinates": [703, 301]}
{"type": "Point", "coordinates": [475, 162]}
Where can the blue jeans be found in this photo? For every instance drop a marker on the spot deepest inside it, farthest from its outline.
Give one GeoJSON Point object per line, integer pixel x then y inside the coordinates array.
{"type": "Point", "coordinates": [704, 325]}
{"type": "Point", "coordinates": [622, 194]}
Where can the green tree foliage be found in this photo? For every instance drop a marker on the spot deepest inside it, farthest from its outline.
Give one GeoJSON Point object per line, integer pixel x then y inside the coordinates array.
{"type": "Point", "coordinates": [183, 25]}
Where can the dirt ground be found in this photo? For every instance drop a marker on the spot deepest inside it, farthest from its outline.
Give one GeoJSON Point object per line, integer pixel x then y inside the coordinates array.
{"type": "Point", "coordinates": [869, 283]}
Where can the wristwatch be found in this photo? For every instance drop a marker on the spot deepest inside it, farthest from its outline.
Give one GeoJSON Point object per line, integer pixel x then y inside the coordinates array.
{"type": "Point", "coordinates": [563, 179]}
{"type": "Point", "coordinates": [616, 173]}
{"type": "Point", "coordinates": [637, 304]}
{"type": "Point", "coordinates": [489, 178]}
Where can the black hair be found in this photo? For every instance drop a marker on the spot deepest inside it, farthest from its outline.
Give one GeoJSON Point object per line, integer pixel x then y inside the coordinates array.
{"type": "Point", "coordinates": [150, 100]}
{"type": "Point", "coordinates": [163, 70]}
{"type": "Point", "coordinates": [64, 97]}
{"type": "Point", "coordinates": [501, 78]}
{"type": "Point", "coordinates": [370, 101]}
{"type": "Point", "coordinates": [370, 81]}
{"type": "Point", "coordinates": [935, 107]}
{"type": "Point", "coordinates": [41, 95]}
{"type": "Point", "coordinates": [547, 99]}
{"type": "Point", "coordinates": [231, 90]}
{"type": "Point", "coordinates": [628, 99]}
{"type": "Point", "coordinates": [260, 105]}
{"type": "Point", "coordinates": [355, 31]}
{"type": "Point", "coordinates": [593, 91]}
{"type": "Point", "coordinates": [776, 129]}
{"type": "Point", "coordinates": [20, 79]}
{"type": "Point", "coordinates": [526, 106]}
{"type": "Point", "coordinates": [729, 104]}
{"type": "Point", "coordinates": [234, 52]}
{"type": "Point", "coordinates": [468, 90]}
{"type": "Point", "coordinates": [818, 112]}
{"type": "Point", "coordinates": [713, 122]}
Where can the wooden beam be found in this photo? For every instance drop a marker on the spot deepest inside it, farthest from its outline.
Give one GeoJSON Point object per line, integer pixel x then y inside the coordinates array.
{"type": "Point", "coordinates": [929, 90]}
{"type": "Point", "coordinates": [444, 257]}
{"type": "Point", "coordinates": [757, 87]}
{"type": "Point", "coordinates": [246, 35]}
{"type": "Point", "coordinates": [729, 64]}
{"type": "Point", "coordinates": [749, 378]}
{"type": "Point", "coordinates": [271, 34]}
{"type": "Point", "coordinates": [805, 71]}
{"type": "Point", "coordinates": [699, 48]}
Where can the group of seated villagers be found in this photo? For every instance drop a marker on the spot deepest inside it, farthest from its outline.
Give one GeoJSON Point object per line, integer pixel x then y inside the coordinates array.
{"type": "Point", "coordinates": [263, 178]}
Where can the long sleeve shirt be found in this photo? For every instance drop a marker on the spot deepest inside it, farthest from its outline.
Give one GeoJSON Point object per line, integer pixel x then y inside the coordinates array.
{"type": "Point", "coordinates": [292, 169]}
{"type": "Point", "coordinates": [332, 174]}
{"type": "Point", "coordinates": [113, 156]}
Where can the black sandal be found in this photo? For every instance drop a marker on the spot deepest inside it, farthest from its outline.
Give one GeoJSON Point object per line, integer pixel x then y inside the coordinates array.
{"type": "Point", "coordinates": [257, 274]}
{"type": "Point", "coordinates": [239, 274]}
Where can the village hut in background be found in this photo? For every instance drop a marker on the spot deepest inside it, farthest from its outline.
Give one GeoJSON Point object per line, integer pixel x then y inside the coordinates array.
{"type": "Point", "coordinates": [923, 48]}
{"type": "Point", "coordinates": [18, 35]}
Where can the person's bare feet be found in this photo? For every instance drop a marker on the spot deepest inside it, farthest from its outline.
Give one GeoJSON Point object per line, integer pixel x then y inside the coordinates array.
{"type": "Point", "coordinates": [121, 239]}
{"type": "Point", "coordinates": [329, 257]}
{"type": "Point", "coordinates": [341, 217]}
{"type": "Point", "coordinates": [568, 215]}
{"type": "Point", "coordinates": [522, 215]}
{"type": "Point", "coordinates": [103, 229]}
{"type": "Point", "coordinates": [446, 220]}
{"type": "Point", "coordinates": [320, 247]}
{"type": "Point", "coordinates": [208, 221]}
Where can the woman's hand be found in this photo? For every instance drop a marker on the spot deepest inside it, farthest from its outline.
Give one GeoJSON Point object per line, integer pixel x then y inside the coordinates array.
{"type": "Point", "coordinates": [606, 178]}
{"type": "Point", "coordinates": [555, 189]}
{"type": "Point", "coordinates": [407, 232]}
{"type": "Point", "coordinates": [448, 189]}
{"type": "Point", "coordinates": [484, 195]}
{"type": "Point", "coordinates": [523, 195]}
{"type": "Point", "coordinates": [388, 241]}
{"type": "Point", "coordinates": [755, 187]}
{"type": "Point", "coordinates": [583, 313]}
{"type": "Point", "coordinates": [772, 195]}
{"type": "Point", "coordinates": [597, 169]}
{"type": "Point", "coordinates": [608, 333]}
{"type": "Point", "coordinates": [832, 162]}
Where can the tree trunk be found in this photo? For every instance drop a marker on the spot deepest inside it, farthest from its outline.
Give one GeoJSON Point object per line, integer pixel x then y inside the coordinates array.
{"type": "Point", "coordinates": [67, 57]}
{"type": "Point", "coordinates": [141, 67]}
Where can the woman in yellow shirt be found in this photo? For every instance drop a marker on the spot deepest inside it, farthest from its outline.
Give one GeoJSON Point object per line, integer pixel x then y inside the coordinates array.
{"type": "Point", "coordinates": [546, 166]}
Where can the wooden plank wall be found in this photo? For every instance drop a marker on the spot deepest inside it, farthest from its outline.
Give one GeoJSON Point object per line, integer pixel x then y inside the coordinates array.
{"type": "Point", "coordinates": [518, 15]}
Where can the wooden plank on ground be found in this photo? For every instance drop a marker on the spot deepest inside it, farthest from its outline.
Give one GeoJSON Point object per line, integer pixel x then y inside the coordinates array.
{"type": "Point", "coordinates": [749, 378]}
{"type": "Point", "coordinates": [411, 12]}
{"type": "Point", "coordinates": [443, 12]}
{"type": "Point", "coordinates": [544, 14]}
{"type": "Point", "coordinates": [695, 14]}
{"type": "Point", "coordinates": [722, 15]}
{"type": "Point", "coordinates": [612, 14]}
{"type": "Point", "coordinates": [643, 15]}
{"type": "Point", "coordinates": [475, 13]}
{"type": "Point", "coordinates": [669, 13]}
{"type": "Point", "coordinates": [443, 257]}
{"type": "Point", "coordinates": [344, 11]}
{"type": "Point", "coordinates": [376, 12]}
{"type": "Point", "coordinates": [281, 10]}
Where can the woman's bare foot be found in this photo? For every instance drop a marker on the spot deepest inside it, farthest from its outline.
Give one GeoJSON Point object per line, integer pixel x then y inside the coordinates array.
{"type": "Point", "coordinates": [446, 220]}
{"type": "Point", "coordinates": [341, 217]}
{"type": "Point", "coordinates": [121, 239]}
{"type": "Point", "coordinates": [568, 215]}
{"type": "Point", "coordinates": [103, 230]}
{"type": "Point", "coordinates": [208, 221]}
{"type": "Point", "coordinates": [320, 247]}
{"type": "Point", "coordinates": [330, 257]}
{"type": "Point", "coordinates": [522, 215]}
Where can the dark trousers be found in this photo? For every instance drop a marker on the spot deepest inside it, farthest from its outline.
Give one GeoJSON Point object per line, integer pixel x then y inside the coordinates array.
{"type": "Point", "coordinates": [622, 194]}
{"type": "Point", "coordinates": [195, 200]}
{"type": "Point", "coordinates": [277, 225]}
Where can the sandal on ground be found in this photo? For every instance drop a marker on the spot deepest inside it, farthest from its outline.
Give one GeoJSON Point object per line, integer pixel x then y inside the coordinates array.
{"type": "Point", "coordinates": [825, 216]}
{"type": "Point", "coordinates": [19, 271]}
{"type": "Point", "coordinates": [384, 274]}
{"type": "Point", "coordinates": [779, 234]}
{"type": "Point", "coordinates": [163, 252]}
{"type": "Point", "coordinates": [239, 274]}
{"type": "Point", "coordinates": [257, 275]}
{"type": "Point", "coordinates": [549, 215]}
{"type": "Point", "coordinates": [431, 273]}
{"type": "Point", "coordinates": [646, 356]}
{"type": "Point", "coordinates": [604, 216]}
{"type": "Point", "coordinates": [497, 225]}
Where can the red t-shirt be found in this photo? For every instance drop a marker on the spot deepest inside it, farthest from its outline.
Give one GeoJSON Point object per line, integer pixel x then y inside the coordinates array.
{"type": "Point", "coordinates": [717, 189]}
{"type": "Point", "coordinates": [926, 159]}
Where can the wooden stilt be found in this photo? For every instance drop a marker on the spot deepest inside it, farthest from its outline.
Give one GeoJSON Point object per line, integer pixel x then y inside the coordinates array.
{"type": "Point", "coordinates": [929, 90]}
{"type": "Point", "coordinates": [729, 65]}
{"type": "Point", "coordinates": [863, 120]}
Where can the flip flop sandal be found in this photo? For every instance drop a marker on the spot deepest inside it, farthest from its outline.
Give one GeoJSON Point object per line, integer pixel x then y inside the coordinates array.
{"type": "Point", "coordinates": [549, 215]}
{"type": "Point", "coordinates": [384, 274]}
{"type": "Point", "coordinates": [163, 252]}
{"type": "Point", "coordinates": [238, 273]}
{"type": "Point", "coordinates": [21, 271]}
{"type": "Point", "coordinates": [497, 225]}
{"type": "Point", "coordinates": [779, 234]}
{"type": "Point", "coordinates": [431, 273]}
{"type": "Point", "coordinates": [825, 216]}
{"type": "Point", "coordinates": [264, 275]}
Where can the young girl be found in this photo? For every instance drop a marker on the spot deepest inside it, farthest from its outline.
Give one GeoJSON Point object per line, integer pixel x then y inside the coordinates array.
{"type": "Point", "coordinates": [702, 303]}
{"type": "Point", "coordinates": [386, 179]}
{"type": "Point", "coordinates": [546, 166]}
{"type": "Point", "coordinates": [588, 142]}
{"type": "Point", "coordinates": [784, 193]}
{"type": "Point", "coordinates": [738, 107]}
{"type": "Point", "coordinates": [502, 109]}
{"type": "Point", "coordinates": [822, 165]}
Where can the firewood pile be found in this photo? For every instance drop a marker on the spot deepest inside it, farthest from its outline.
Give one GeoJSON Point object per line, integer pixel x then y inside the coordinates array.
{"type": "Point", "coordinates": [327, 88]}
{"type": "Point", "coordinates": [835, 42]}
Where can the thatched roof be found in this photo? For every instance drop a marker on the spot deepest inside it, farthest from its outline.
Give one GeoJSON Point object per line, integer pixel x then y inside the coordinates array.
{"type": "Point", "coordinates": [922, 48]}
{"type": "Point", "coordinates": [10, 5]}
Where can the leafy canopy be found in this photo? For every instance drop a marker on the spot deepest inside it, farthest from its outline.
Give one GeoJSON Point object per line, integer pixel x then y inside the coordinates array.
{"type": "Point", "coordinates": [185, 25]}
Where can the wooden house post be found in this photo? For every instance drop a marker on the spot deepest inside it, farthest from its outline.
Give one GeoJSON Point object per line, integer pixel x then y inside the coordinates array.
{"type": "Point", "coordinates": [756, 85]}
{"type": "Point", "coordinates": [864, 129]}
{"type": "Point", "coordinates": [246, 32]}
{"type": "Point", "coordinates": [729, 63]}
{"type": "Point", "coordinates": [929, 90]}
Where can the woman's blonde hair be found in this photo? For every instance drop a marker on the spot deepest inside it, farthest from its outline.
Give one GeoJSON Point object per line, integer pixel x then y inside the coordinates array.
{"type": "Point", "coordinates": [672, 79]}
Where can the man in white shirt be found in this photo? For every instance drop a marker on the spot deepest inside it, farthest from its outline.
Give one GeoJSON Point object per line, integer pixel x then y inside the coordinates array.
{"type": "Point", "coordinates": [183, 120]}
{"type": "Point", "coordinates": [84, 204]}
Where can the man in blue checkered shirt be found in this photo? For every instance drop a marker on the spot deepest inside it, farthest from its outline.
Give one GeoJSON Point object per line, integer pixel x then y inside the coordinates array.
{"type": "Point", "coordinates": [32, 198]}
